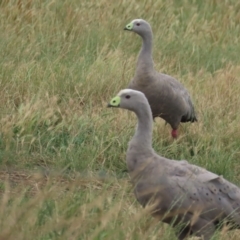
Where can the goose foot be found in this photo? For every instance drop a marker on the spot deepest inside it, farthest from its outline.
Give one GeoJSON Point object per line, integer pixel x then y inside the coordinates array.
{"type": "Point", "coordinates": [174, 133]}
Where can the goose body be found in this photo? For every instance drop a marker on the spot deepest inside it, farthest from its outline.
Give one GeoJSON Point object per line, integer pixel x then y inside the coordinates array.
{"type": "Point", "coordinates": [182, 193]}
{"type": "Point", "coordinates": [167, 97]}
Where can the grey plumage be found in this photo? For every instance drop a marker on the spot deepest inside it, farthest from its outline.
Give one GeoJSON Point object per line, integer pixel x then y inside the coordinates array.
{"type": "Point", "coordinates": [167, 97]}
{"type": "Point", "coordinates": [182, 193]}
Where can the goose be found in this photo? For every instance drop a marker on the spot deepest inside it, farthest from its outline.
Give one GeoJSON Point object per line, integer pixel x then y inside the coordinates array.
{"type": "Point", "coordinates": [181, 194]}
{"type": "Point", "coordinates": [167, 97]}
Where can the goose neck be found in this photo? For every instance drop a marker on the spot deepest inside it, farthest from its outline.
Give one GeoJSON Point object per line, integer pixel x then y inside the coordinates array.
{"type": "Point", "coordinates": [143, 135]}
{"type": "Point", "coordinates": [145, 61]}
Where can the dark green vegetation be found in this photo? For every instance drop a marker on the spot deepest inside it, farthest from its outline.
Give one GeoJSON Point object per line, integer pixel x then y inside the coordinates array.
{"type": "Point", "coordinates": [61, 62]}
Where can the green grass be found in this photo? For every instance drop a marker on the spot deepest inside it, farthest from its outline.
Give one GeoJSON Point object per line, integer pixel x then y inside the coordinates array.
{"type": "Point", "coordinates": [61, 62]}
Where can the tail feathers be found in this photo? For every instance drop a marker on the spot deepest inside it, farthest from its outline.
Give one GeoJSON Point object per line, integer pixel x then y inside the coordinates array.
{"type": "Point", "coordinates": [189, 118]}
{"type": "Point", "coordinates": [191, 115]}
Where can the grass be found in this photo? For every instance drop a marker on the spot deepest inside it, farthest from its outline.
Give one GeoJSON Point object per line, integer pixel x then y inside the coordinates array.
{"type": "Point", "coordinates": [62, 152]}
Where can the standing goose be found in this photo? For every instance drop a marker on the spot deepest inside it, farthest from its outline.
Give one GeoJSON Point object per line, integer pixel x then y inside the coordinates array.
{"type": "Point", "coordinates": [167, 97]}
{"type": "Point", "coordinates": [182, 193]}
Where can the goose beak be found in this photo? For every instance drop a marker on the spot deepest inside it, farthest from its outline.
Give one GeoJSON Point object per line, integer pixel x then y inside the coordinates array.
{"type": "Point", "coordinates": [129, 27]}
{"type": "Point", "coordinates": [112, 106]}
{"type": "Point", "coordinates": [115, 102]}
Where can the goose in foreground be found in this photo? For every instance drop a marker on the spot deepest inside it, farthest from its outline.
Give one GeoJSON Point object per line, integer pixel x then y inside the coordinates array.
{"type": "Point", "coordinates": [182, 194]}
{"type": "Point", "coordinates": [167, 97]}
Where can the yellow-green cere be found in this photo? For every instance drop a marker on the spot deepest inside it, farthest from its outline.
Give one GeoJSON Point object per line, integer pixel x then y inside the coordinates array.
{"type": "Point", "coordinates": [129, 26]}
{"type": "Point", "coordinates": [115, 102]}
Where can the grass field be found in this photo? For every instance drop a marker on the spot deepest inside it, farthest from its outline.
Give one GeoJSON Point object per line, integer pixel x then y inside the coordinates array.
{"type": "Point", "coordinates": [62, 152]}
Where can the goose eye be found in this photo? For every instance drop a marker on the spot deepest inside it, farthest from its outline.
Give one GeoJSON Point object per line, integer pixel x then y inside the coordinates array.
{"type": "Point", "coordinates": [127, 97]}
{"type": "Point", "coordinates": [138, 24]}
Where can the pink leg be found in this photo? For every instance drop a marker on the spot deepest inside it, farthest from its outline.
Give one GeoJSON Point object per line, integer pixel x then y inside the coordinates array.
{"type": "Point", "coordinates": [174, 133]}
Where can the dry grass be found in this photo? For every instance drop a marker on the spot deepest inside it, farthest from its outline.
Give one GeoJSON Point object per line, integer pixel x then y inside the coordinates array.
{"type": "Point", "coordinates": [61, 62]}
